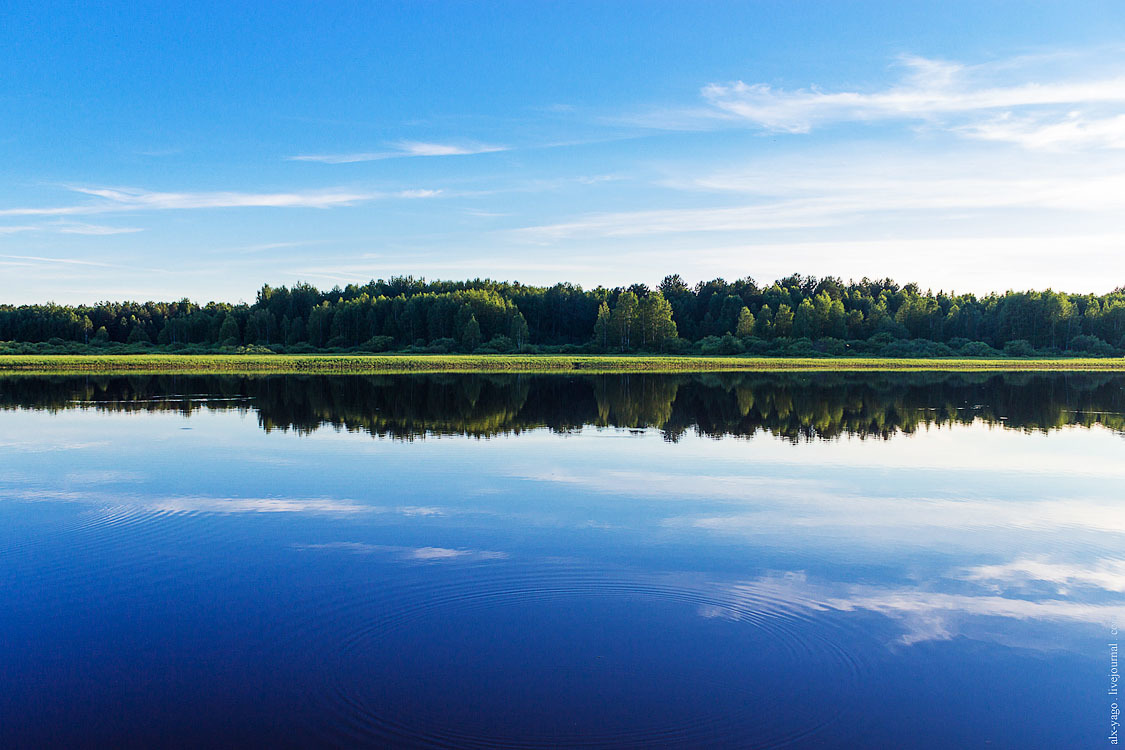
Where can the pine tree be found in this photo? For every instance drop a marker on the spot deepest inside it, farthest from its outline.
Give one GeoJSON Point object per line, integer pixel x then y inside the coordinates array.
{"type": "Point", "coordinates": [470, 339]}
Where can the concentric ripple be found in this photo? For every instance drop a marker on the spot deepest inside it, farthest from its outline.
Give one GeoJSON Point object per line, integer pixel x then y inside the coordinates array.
{"type": "Point", "coordinates": [502, 656]}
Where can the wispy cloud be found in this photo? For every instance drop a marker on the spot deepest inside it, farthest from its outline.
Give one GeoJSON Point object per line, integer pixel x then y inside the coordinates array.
{"type": "Point", "coordinates": [1008, 100]}
{"type": "Point", "coordinates": [137, 198]}
{"type": "Point", "coordinates": [1049, 132]}
{"type": "Point", "coordinates": [61, 261]}
{"type": "Point", "coordinates": [852, 189]}
{"type": "Point", "coordinates": [93, 229]}
{"type": "Point", "coordinates": [127, 199]}
{"type": "Point", "coordinates": [923, 614]}
{"type": "Point", "coordinates": [1107, 574]}
{"type": "Point", "coordinates": [401, 149]}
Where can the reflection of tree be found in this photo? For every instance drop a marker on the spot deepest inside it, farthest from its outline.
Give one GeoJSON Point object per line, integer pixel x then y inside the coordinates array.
{"type": "Point", "coordinates": [795, 406]}
{"type": "Point", "coordinates": [634, 401]}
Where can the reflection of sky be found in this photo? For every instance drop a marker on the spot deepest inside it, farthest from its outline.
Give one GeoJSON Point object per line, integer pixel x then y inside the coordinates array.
{"type": "Point", "coordinates": [964, 531]}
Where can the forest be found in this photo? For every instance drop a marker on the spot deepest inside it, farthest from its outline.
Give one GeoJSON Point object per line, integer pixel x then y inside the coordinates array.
{"type": "Point", "coordinates": [795, 316]}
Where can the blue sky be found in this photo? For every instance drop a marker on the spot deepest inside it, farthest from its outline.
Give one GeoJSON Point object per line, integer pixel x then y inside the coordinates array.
{"type": "Point", "coordinates": [160, 152]}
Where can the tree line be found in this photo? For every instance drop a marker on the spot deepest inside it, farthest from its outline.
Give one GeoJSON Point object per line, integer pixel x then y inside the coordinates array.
{"type": "Point", "coordinates": [800, 315]}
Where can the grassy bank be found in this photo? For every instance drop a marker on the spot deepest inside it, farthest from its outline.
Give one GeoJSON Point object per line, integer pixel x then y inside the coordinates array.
{"type": "Point", "coordinates": [347, 363]}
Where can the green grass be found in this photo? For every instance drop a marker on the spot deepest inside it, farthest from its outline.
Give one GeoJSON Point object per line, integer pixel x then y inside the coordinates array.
{"type": "Point", "coordinates": [351, 363]}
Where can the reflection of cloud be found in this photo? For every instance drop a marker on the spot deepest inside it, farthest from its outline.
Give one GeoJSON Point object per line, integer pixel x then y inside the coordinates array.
{"type": "Point", "coordinates": [102, 476]}
{"type": "Point", "coordinates": [850, 512]}
{"type": "Point", "coordinates": [192, 503]}
{"type": "Point", "coordinates": [657, 485]}
{"type": "Point", "coordinates": [423, 554]}
{"type": "Point", "coordinates": [1106, 574]}
{"type": "Point", "coordinates": [930, 615]}
{"type": "Point", "coordinates": [420, 510]}
{"type": "Point", "coordinates": [254, 505]}
{"type": "Point", "coordinates": [923, 614]}
{"type": "Point", "coordinates": [207, 504]}
{"type": "Point", "coordinates": [786, 503]}
{"type": "Point", "coordinates": [31, 444]}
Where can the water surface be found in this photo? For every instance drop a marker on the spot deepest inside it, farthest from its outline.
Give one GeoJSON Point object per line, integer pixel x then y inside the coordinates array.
{"type": "Point", "coordinates": [819, 560]}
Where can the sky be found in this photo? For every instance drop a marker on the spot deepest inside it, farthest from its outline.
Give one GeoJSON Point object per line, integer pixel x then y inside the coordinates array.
{"type": "Point", "coordinates": [168, 150]}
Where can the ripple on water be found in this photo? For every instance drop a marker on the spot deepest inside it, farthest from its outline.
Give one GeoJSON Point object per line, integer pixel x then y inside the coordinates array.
{"type": "Point", "coordinates": [510, 657]}
{"type": "Point", "coordinates": [106, 546]}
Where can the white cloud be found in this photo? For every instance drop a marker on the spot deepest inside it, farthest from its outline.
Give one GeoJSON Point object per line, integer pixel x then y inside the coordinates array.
{"type": "Point", "coordinates": [972, 100]}
{"type": "Point", "coordinates": [418, 193]}
{"type": "Point", "coordinates": [821, 202]}
{"type": "Point", "coordinates": [966, 218]}
{"type": "Point", "coordinates": [401, 149]}
{"type": "Point", "coordinates": [136, 198]}
{"type": "Point", "coordinates": [121, 199]}
{"type": "Point", "coordinates": [93, 229]}
{"type": "Point", "coordinates": [63, 261]}
{"type": "Point", "coordinates": [1051, 132]}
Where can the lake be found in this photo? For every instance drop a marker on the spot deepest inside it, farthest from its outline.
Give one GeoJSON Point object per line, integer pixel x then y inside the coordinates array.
{"type": "Point", "coordinates": [915, 560]}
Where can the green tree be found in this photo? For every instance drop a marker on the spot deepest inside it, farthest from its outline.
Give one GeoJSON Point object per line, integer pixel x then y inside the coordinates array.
{"type": "Point", "coordinates": [804, 320]}
{"type": "Point", "coordinates": [656, 314]}
{"type": "Point", "coordinates": [296, 333]}
{"type": "Point", "coordinates": [518, 330]}
{"type": "Point", "coordinates": [746, 323]}
{"type": "Point", "coordinates": [228, 331]}
{"type": "Point", "coordinates": [783, 321]}
{"type": "Point", "coordinates": [625, 320]}
{"type": "Point", "coordinates": [602, 327]}
{"type": "Point", "coordinates": [470, 339]}
{"type": "Point", "coordinates": [763, 322]}
{"type": "Point", "coordinates": [138, 335]}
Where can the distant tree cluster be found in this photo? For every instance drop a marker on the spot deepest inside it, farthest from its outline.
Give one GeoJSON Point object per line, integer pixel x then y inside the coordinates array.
{"type": "Point", "coordinates": [797, 315]}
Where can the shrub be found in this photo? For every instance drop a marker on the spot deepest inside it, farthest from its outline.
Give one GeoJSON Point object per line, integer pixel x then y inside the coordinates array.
{"type": "Point", "coordinates": [1019, 348]}
{"type": "Point", "coordinates": [831, 346]}
{"type": "Point", "coordinates": [727, 344]}
{"type": "Point", "coordinates": [977, 349]}
{"type": "Point", "coordinates": [802, 347]}
{"type": "Point", "coordinates": [755, 345]}
{"type": "Point", "coordinates": [377, 344]}
{"type": "Point", "coordinates": [441, 346]}
{"type": "Point", "coordinates": [1091, 345]}
{"type": "Point", "coordinates": [677, 345]}
{"type": "Point", "coordinates": [881, 339]}
{"type": "Point", "coordinates": [501, 344]}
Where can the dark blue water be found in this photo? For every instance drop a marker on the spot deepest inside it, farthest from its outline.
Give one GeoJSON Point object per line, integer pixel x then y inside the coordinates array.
{"type": "Point", "coordinates": [823, 561]}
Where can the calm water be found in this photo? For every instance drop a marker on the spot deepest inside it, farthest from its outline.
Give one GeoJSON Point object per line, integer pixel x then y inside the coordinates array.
{"type": "Point", "coordinates": [922, 561]}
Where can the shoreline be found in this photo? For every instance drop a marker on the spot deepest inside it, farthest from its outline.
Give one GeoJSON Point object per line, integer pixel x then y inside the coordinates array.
{"type": "Point", "coordinates": [61, 364]}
